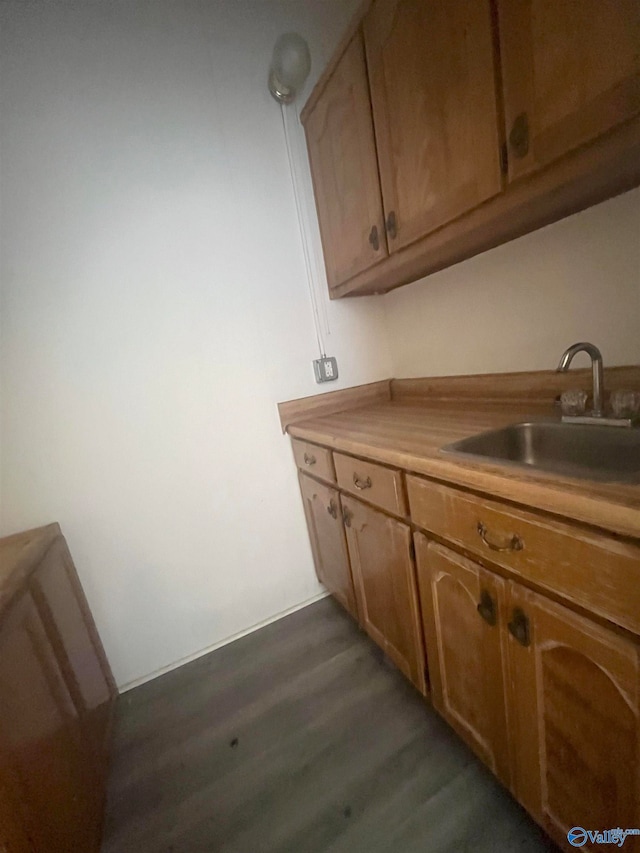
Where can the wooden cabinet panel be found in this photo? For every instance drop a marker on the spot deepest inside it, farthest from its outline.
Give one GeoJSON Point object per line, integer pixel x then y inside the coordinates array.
{"type": "Point", "coordinates": [431, 71]}
{"type": "Point", "coordinates": [571, 72]}
{"type": "Point", "coordinates": [41, 737]}
{"type": "Point", "coordinates": [13, 835]}
{"type": "Point", "coordinates": [328, 544]}
{"type": "Point", "coordinates": [344, 168]}
{"type": "Point", "coordinates": [575, 719]}
{"type": "Point", "coordinates": [66, 618]}
{"type": "Point", "coordinates": [597, 572]}
{"type": "Point", "coordinates": [384, 578]}
{"type": "Point", "coordinates": [374, 483]}
{"type": "Point", "coordinates": [462, 613]}
{"type": "Point", "coordinates": [314, 459]}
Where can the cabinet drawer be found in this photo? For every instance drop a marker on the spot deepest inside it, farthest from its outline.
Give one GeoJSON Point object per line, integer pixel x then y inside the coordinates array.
{"type": "Point", "coordinates": [373, 483]}
{"type": "Point", "coordinates": [314, 459]}
{"type": "Point", "coordinates": [595, 571]}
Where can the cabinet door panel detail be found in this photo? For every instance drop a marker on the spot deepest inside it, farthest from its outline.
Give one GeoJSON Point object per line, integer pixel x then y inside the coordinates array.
{"type": "Point", "coordinates": [573, 69]}
{"type": "Point", "coordinates": [576, 720]}
{"type": "Point", "coordinates": [344, 167]}
{"type": "Point", "coordinates": [328, 544]}
{"type": "Point", "coordinates": [383, 572]}
{"type": "Point", "coordinates": [431, 69]}
{"type": "Point", "coordinates": [464, 650]}
{"type": "Point", "coordinates": [56, 596]}
{"type": "Point", "coordinates": [41, 737]}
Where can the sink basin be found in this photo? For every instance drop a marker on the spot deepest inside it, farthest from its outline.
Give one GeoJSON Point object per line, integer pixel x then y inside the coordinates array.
{"type": "Point", "coordinates": [575, 450]}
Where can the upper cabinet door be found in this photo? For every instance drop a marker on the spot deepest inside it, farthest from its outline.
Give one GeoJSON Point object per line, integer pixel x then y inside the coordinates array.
{"type": "Point", "coordinates": [344, 167]}
{"type": "Point", "coordinates": [431, 70]}
{"type": "Point", "coordinates": [571, 72]}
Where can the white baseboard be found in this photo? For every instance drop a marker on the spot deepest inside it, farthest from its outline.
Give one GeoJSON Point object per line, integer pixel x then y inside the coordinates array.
{"type": "Point", "coordinates": [143, 680]}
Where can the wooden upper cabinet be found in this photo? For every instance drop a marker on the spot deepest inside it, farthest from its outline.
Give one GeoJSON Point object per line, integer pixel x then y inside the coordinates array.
{"type": "Point", "coordinates": [571, 72]}
{"type": "Point", "coordinates": [462, 612]}
{"type": "Point", "coordinates": [344, 168]}
{"type": "Point", "coordinates": [385, 584]}
{"type": "Point", "coordinates": [324, 521]}
{"type": "Point", "coordinates": [433, 90]}
{"type": "Point", "coordinates": [574, 719]}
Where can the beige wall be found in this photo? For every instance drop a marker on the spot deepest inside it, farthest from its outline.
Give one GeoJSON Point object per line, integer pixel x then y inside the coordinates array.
{"type": "Point", "coordinates": [517, 307]}
{"type": "Point", "coordinates": [154, 310]}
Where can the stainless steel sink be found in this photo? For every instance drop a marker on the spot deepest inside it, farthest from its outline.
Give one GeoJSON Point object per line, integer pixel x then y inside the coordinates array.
{"type": "Point", "coordinates": [589, 452]}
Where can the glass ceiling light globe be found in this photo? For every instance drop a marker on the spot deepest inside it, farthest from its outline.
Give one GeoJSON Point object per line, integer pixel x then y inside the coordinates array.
{"type": "Point", "coordinates": [290, 67]}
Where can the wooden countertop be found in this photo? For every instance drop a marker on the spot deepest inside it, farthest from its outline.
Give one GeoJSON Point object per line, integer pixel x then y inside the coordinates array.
{"type": "Point", "coordinates": [410, 435]}
{"type": "Point", "coordinates": [20, 555]}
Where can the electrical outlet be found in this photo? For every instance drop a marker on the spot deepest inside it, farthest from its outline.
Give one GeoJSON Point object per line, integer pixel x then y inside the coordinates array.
{"type": "Point", "coordinates": [325, 369]}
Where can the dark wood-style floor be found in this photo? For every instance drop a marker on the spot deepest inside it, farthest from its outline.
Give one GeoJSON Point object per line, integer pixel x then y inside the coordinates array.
{"type": "Point", "coordinates": [300, 737]}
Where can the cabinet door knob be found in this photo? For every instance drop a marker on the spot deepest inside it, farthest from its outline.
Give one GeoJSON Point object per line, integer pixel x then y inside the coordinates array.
{"type": "Point", "coordinates": [347, 515]}
{"type": "Point", "coordinates": [309, 460]}
{"type": "Point", "coordinates": [515, 543]}
{"type": "Point", "coordinates": [391, 225]}
{"type": "Point", "coordinates": [519, 627]}
{"type": "Point", "coordinates": [487, 607]}
{"type": "Point", "coordinates": [361, 485]}
{"type": "Point", "coordinates": [374, 240]}
{"type": "Point", "coordinates": [519, 136]}
{"type": "Point", "coordinates": [332, 509]}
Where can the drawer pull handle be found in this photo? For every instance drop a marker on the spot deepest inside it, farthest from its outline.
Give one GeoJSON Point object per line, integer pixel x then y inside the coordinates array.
{"type": "Point", "coordinates": [309, 460]}
{"type": "Point", "coordinates": [487, 607]}
{"type": "Point", "coordinates": [332, 509]}
{"type": "Point", "coordinates": [513, 544]}
{"type": "Point", "coordinates": [519, 627]}
{"type": "Point", "coordinates": [374, 240]}
{"type": "Point", "coordinates": [347, 515]}
{"type": "Point", "coordinates": [361, 484]}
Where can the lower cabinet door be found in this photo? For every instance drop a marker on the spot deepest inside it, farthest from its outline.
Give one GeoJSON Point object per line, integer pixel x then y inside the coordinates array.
{"type": "Point", "coordinates": [41, 739]}
{"type": "Point", "coordinates": [328, 545]}
{"type": "Point", "coordinates": [575, 720]}
{"type": "Point", "coordinates": [384, 577]}
{"type": "Point", "coordinates": [462, 609]}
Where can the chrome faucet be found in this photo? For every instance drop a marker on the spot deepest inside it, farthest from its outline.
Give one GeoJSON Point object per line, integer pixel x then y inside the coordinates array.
{"type": "Point", "coordinates": [596, 366]}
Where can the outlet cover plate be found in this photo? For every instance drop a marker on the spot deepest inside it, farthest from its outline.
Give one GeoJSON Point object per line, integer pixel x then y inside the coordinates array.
{"type": "Point", "coordinates": [325, 369]}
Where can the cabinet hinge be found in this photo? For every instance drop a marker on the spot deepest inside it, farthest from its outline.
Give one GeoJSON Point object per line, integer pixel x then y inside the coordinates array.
{"type": "Point", "coordinates": [504, 158]}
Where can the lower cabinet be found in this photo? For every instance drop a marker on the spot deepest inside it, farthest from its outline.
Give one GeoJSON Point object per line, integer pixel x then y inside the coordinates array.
{"type": "Point", "coordinates": [56, 701]}
{"type": "Point", "coordinates": [328, 544]}
{"type": "Point", "coordinates": [575, 717]}
{"type": "Point", "coordinates": [549, 699]}
{"type": "Point", "coordinates": [463, 606]}
{"type": "Point", "coordinates": [380, 551]}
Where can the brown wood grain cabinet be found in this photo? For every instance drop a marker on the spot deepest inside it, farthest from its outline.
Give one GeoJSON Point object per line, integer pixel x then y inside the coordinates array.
{"type": "Point", "coordinates": [432, 81]}
{"type": "Point", "coordinates": [547, 698]}
{"type": "Point", "coordinates": [323, 514]}
{"type": "Point", "coordinates": [574, 712]}
{"type": "Point", "coordinates": [344, 169]}
{"type": "Point", "coordinates": [530, 624]}
{"type": "Point", "coordinates": [571, 73]}
{"type": "Point", "coordinates": [384, 576]}
{"type": "Point", "coordinates": [463, 606]}
{"type": "Point", "coordinates": [56, 699]}
{"type": "Point", "coordinates": [491, 118]}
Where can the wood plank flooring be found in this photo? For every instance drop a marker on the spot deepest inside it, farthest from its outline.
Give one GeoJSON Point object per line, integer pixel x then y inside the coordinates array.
{"type": "Point", "coordinates": [300, 737]}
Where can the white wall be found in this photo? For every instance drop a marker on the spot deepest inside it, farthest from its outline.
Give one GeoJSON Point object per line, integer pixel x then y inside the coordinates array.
{"type": "Point", "coordinates": [517, 307]}
{"type": "Point", "coordinates": [154, 309]}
